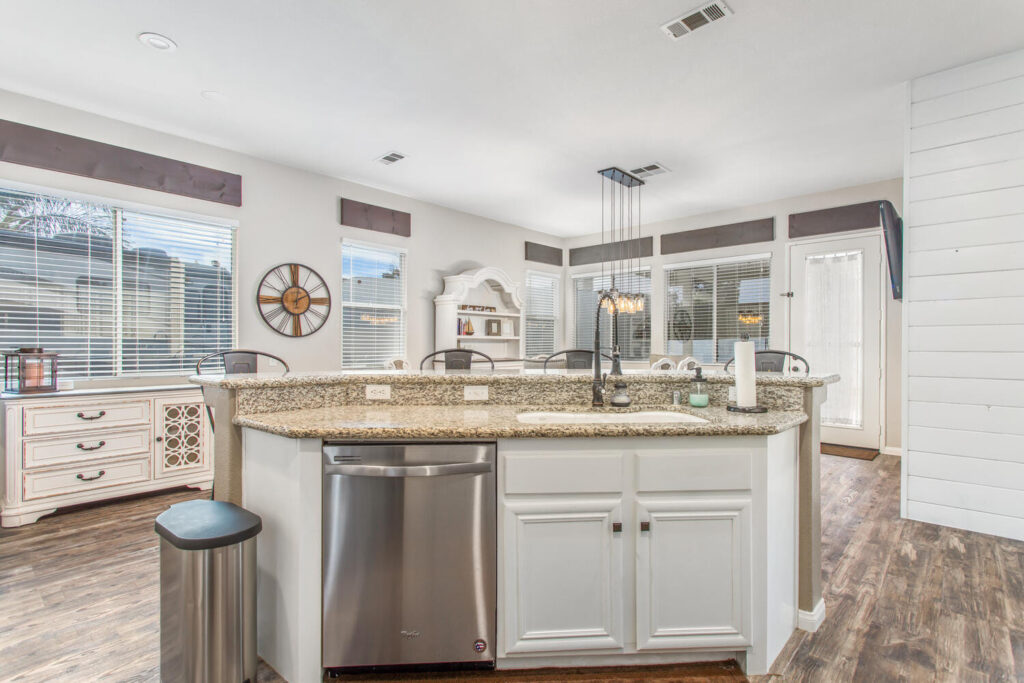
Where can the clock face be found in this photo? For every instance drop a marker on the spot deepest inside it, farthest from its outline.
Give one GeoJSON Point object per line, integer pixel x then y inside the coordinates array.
{"type": "Point", "coordinates": [294, 300]}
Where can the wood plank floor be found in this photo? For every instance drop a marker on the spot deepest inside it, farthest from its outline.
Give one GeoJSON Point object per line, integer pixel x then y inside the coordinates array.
{"type": "Point", "coordinates": [906, 601]}
{"type": "Point", "coordinates": [79, 598]}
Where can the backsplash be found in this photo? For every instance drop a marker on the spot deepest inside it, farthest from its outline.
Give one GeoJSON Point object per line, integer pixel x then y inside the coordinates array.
{"type": "Point", "coordinates": [527, 390]}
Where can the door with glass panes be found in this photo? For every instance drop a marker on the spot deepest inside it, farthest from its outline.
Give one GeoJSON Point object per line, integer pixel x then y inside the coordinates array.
{"type": "Point", "coordinates": [836, 324]}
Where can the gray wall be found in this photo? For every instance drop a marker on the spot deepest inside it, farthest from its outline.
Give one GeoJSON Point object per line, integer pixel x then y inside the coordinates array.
{"type": "Point", "coordinates": [290, 215]}
{"type": "Point", "coordinates": [780, 209]}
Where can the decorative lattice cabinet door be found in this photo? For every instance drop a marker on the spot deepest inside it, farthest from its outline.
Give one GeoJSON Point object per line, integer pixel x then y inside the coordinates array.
{"type": "Point", "coordinates": [182, 436]}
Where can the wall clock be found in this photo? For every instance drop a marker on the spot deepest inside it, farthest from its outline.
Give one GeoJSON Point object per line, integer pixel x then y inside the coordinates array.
{"type": "Point", "coordinates": [293, 299]}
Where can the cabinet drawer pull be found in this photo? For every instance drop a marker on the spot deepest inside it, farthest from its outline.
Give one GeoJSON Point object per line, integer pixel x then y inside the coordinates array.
{"type": "Point", "coordinates": [98, 446]}
{"type": "Point", "coordinates": [82, 477]}
{"type": "Point", "coordinates": [616, 527]}
{"type": "Point", "coordinates": [645, 526]}
{"type": "Point", "coordinates": [83, 416]}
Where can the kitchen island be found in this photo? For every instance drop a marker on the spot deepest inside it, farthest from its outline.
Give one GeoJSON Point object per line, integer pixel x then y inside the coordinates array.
{"type": "Point", "coordinates": [618, 543]}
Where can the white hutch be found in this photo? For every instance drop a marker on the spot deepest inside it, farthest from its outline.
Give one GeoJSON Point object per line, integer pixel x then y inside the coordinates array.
{"type": "Point", "coordinates": [481, 288]}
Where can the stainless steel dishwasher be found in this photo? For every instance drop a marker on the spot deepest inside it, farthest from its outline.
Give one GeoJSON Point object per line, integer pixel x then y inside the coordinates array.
{"type": "Point", "coordinates": [409, 554]}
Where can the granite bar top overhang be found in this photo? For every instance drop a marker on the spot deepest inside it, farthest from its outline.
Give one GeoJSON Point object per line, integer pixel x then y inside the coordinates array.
{"type": "Point", "coordinates": [302, 379]}
{"type": "Point", "coordinates": [401, 422]}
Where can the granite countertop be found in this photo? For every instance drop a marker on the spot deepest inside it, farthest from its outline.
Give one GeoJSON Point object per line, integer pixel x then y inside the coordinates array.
{"type": "Point", "coordinates": [499, 422]}
{"type": "Point", "coordinates": [299, 379]}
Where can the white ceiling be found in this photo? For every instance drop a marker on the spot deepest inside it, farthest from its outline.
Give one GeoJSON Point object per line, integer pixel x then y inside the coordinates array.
{"type": "Point", "coordinates": [507, 108]}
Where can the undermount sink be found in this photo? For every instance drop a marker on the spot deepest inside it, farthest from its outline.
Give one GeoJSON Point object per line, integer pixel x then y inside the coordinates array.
{"type": "Point", "coordinates": [643, 417]}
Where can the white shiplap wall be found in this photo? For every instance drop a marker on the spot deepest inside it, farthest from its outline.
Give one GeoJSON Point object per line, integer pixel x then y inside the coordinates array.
{"type": "Point", "coordinates": [964, 298]}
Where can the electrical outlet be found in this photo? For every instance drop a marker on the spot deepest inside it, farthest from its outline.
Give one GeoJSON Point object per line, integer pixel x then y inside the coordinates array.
{"type": "Point", "coordinates": [475, 392]}
{"type": "Point", "coordinates": [378, 392]}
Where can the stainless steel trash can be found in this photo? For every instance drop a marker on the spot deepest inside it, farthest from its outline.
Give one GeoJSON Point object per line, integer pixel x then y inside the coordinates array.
{"type": "Point", "coordinates": [207, 593]}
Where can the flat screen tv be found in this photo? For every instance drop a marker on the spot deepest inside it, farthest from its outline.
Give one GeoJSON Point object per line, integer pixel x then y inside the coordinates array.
{"type": "Point", "coordinates": [892, 229]}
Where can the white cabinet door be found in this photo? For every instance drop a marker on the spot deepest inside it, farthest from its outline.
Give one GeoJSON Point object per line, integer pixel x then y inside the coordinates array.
{"type": "Point", "coordinates": [693, 572]}
{"type": "Point", "coordinates": [563, 575]}
{"type": "Point", "coordinates": [182, 436]}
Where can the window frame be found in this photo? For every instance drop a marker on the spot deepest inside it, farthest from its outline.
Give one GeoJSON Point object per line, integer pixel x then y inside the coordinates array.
{"type": "Point", "coordinates": [556, 304]}
{"type": "Point", "coordinates": [649, 310]}
{"type": "Point", "coordinates": [118, 207]}
{"type": "Point", "coordinates": [667, 268]}
{"type": "Point", "coordinates": [403, 309]}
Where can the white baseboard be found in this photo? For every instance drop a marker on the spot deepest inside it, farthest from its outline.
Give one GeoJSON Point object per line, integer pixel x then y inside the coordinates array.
{"type": "Point", "coordinates": [810, 621]}
{"type": "Point", "coordinates": [892, 450]}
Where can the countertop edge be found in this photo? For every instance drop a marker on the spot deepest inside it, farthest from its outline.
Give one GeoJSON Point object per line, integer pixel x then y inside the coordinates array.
{"type": "Point", "coordinates": [789, 420]}
{"type": "Point", "coordinates": [327, 379]}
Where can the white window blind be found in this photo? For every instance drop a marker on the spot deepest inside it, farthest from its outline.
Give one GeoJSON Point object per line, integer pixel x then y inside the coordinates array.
{"type": "Point", "coordinates": [373, 305]}
{"type": "Point", "coordinates": [541, 313]}
{"type": "Point", "coordinates": [634, 330]}
{"type": "Point", "coordinates": [710, 307]}
{"type": "Point", "coordinates": [114, 292]}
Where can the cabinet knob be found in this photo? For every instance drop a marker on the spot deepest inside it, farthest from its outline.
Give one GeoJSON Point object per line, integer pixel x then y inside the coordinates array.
{"type": "Point", "coordinates": [616, 527]}
{"type": "Point", "coordinates": [159, 439]}
{"type": "Point", "coordinates": [645, 526]}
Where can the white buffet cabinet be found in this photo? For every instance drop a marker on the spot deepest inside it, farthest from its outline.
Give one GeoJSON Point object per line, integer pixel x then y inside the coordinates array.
{"type": "Point", "coordinates": [83, 446]}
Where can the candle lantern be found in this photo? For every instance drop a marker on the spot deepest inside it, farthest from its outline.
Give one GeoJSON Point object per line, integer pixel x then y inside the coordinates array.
{"type": "Point", "coordinates": [30, 370]}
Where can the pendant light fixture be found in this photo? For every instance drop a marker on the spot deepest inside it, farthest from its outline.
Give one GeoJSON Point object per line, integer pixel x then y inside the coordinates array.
{"type": "Point", "coordinates": [620, 240]}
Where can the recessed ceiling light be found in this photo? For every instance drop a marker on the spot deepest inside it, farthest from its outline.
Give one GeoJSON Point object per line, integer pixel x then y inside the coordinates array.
{"type": "Point", "coordinates": [214, 96]}
{"type": "Point", "coordinates": [158, 42]}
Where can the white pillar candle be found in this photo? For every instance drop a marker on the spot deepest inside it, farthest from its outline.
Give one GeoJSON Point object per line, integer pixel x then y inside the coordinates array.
{"type": "Point", "coordinates": [746, 388]}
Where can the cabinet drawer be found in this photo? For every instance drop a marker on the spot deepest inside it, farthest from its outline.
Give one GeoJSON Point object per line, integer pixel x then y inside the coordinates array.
{"type": "Point", "coordinates": [566, 472]}
{"type": "Point", "coordinates": [43, 484]}
{"type": "Point", "coordinates": [718, 470]}
{"type": "Point", "coordinates": [75, 417]}
{"type": "Point", "coordinates": [70, 449]}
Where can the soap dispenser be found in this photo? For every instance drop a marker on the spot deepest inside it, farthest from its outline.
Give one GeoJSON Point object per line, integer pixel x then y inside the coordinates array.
{"type": "Point", "coordinates": [699, 390]}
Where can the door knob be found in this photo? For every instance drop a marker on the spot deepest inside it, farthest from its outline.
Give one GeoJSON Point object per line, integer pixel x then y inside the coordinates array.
{"type": "Point", "coordinates": [645, 526]}
{"type": "Point", "coordinates": [616, 527]}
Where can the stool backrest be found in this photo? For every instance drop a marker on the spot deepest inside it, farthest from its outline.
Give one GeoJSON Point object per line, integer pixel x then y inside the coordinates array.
{"type": "Point", "coordinates": [576, 359]}
{"type": "Point", "coordinates": [239, 361]}
{"type": "Point", "coordinates": [457, 359]}
{"type": "Point", "coordinates": [775, 361]}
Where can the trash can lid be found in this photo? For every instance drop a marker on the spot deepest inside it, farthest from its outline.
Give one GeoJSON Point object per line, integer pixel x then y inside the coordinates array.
{"type": "Point", "coordinates": [205, 524]}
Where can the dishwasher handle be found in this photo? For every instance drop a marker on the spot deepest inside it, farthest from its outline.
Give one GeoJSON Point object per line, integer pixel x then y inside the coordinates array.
{"type": "Point", "coordinates": [409, 470]}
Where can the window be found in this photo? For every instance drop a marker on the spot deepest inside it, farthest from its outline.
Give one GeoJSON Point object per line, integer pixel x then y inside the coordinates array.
{"type": "Point", "coordinates": [372, 305]}
{"type": "Point", "coordinates": [710, 307]}
{"type": "Point", "coordinates": [634, 330]}
{"type": "Point", "coordinates": [541, 313]}
{"type": "Point", "coordinates": [114, 292]}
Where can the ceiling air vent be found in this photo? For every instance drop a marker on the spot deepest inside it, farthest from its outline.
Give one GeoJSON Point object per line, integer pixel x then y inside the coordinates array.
{"type": "Point", "coordinates": [390, 158]}
{"type": "Point", "coordinates": [649, 170]}
{"type": "Point", "coordinates": [695, 19]}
